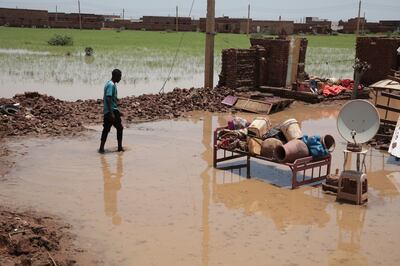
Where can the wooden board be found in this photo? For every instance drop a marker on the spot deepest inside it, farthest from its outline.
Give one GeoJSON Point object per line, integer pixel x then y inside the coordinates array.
{"type": "Point", "coordinates": [253, 106]}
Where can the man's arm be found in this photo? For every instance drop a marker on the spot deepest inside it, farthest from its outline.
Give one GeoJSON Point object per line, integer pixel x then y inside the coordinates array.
{"type": "Point", "coordinates": [108, 102]}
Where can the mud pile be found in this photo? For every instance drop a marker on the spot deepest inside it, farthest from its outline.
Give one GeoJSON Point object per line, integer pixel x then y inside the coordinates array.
{"type": "Point", "coordinates": [47, 116]}
{"type": "Point", "coordinates": [29, 239]}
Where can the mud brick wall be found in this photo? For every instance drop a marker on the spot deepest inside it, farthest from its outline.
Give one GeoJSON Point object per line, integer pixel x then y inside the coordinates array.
{"type": "Point", "coordinates": [238, 68]}
{"type": "Point", "coordinates": [277, 52]}
{"type": "Point", "coordinates": [380, 53]}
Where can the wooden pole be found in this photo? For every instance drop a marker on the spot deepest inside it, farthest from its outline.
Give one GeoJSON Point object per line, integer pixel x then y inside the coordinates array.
{"type": "Point", "coordinates": [209, 53]}
{"type": "Point", "coordinates": [177, 19]}
{"type": "Point", "coordinates": [358, 19]}
{"type": "Point", "coordinates": [248, 20]}
{"type": "Point", "coordinates": [56, 13]}
{"type": "Point", "coordinates": [80, 19]}
{"type": "Point", "coordinates": [363, 25]}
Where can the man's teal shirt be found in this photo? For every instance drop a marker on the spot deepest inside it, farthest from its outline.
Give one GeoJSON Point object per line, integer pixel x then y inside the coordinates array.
{"type": "Point", "coordinates": [110, 89]}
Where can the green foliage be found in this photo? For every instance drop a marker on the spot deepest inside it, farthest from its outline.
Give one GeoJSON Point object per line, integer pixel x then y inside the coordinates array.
{"type": "Point", "coordinates": [128, 41]}
{"type": "Point", "coordinates": [60, 40]}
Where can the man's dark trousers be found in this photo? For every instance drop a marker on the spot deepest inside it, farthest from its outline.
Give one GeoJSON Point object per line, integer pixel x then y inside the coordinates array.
{"type": "Point", "coordinates": [108, 123]}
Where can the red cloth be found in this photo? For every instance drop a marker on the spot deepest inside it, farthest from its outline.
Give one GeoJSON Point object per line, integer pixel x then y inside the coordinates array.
{"type": "Point", "coordinates": [332, 90]}
{"type": "Point", "coordinates": [347, 83]}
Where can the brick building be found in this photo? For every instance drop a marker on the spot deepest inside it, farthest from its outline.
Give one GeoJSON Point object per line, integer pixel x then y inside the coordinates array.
{"type": "Point", "coordinates": [313, 25]}
{"type": "Point", "coordinates": [272, 26]}
{"type": "Point", "coordinates": [163, 23]}
{"type": "Point", "coordinates": [23, 17]}
{"type": "Point", "coordinates": [226, 25]}
{"type": "Point", "coordinates": [71, 20]}
{"type": "Point", "coordinates": [372, 27]}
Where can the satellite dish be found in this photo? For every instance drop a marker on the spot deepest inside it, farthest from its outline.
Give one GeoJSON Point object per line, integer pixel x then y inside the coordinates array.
{"type": "Point", "coordinates": [358, 121]}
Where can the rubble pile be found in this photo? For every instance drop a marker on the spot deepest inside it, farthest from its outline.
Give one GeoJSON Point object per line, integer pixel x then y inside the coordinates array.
{"type": "Point", "coordinates": [40, 115]}
{"type": "Point", "coordinates": [45, 115]}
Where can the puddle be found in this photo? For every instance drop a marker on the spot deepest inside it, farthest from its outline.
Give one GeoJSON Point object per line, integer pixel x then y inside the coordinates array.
{"type": "Point", "coordinates": [162, 203]}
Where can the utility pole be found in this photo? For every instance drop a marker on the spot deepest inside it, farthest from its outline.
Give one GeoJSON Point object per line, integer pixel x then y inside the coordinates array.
{"type": "Point", "coordinates": [56, 13]}
{"type": "Point", "coordinates": [123, 13]}
{"type": "Point", "coordinates": [177, 19]}
{"type": "Point", "coordinates": [248, 20]}
{"type": "Point", "coordinates": [80, 19]}
{"type": "Point", "coordinates": [358, 19]}
{"type": "Point", "coordinates": [209, 53]}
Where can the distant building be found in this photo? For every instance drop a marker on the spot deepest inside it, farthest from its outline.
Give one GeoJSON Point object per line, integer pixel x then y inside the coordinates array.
{"type": "Point", "coordinates": [23, 17]}
{"type": "Point", "coordinates": [164, 23]}
{"type": "Point", "coordinates": [369, 27]}
{"type": "Point", "coordinates": [272, 26]}
{"type": "Point", "coordinates": [71, 20]}
{"type": "Point", "coordinates": [226, 25]}
{"type": "Point", "coordinates": [314, 25]}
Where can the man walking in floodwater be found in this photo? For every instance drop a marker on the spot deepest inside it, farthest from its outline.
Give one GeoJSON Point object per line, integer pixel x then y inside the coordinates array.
{"type": "Point", "coordinates": [112, 116]}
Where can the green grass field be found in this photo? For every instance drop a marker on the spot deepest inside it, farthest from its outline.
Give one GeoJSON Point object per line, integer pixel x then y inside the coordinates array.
{"type": "Point", "coordinates": [125, 41]}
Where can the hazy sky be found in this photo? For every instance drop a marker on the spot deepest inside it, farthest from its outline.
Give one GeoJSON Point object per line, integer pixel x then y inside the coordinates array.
{"type": "Point", "coordinates": [261, 9]}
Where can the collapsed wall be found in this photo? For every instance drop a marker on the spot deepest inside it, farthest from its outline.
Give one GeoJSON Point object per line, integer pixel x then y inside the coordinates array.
{"type": "Point", "coordinates": [269, 62]}
{"type": "Point", "coordinates": [277, 56]}
{"type": "Point", "coordinates": [238, 68]}
{"type": "Point", "coordinates": [381, 54]}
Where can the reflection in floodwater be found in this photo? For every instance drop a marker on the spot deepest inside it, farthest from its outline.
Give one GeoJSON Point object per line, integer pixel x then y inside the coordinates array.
{"type": "Point", "coordinates": [350, 221]}
{"type": "Point", "coordinates": [89, 59]}
{"type": "Point", "coordinates": [206, 155]}
{"type": "Point", "coordinates": [112, 185]}
{"type": "Point", "coordinates": [284, 207]}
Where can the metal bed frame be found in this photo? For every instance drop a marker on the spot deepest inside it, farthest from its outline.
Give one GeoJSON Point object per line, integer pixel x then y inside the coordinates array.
{"type": "Point", "coordinates": [298, 166]}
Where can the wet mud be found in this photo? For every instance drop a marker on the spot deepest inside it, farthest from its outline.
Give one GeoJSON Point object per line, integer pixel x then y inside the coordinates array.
{"type": "Point", "coordinates": [161, 202]}
{"type": "Point", "coordinates": [30, 238]}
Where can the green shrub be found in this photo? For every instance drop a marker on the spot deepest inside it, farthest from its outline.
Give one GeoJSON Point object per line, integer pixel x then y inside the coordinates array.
{"type": "Point", "coordinates": [60, 40]}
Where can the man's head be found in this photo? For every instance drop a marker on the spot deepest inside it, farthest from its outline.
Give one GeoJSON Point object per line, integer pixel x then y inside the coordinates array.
{"type": "Point", "coordinates": [116, 75]}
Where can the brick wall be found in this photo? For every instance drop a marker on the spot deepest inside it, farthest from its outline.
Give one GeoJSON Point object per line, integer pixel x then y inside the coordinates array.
{"type": "Point", "coordinates": [380, 53]}
{"type": "Point", "coordinates": [238, 68]}
{"type": "Point", "coordinates": [277, 54]}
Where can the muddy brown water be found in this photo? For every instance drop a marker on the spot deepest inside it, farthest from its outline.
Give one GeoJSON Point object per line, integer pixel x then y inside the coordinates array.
{"type": "Point", "coordinates": [162, 203]}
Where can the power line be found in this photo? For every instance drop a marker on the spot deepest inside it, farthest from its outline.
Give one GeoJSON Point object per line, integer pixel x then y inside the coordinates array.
{"type": "Point", "coordinates": [176, 53]}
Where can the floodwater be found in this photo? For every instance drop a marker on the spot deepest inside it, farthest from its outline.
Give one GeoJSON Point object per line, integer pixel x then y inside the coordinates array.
{"type": "Point", "coordinates": [162, 203]}
{"type": "Point", "coordinates": [75, 76]}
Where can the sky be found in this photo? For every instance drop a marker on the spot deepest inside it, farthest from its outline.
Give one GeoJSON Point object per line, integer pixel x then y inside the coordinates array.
{"type": "Point", "coordinates": [374, 10]}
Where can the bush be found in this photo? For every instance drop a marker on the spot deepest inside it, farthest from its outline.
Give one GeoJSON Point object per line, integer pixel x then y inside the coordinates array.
{"type": "Point", "coordinates": [60, 40]}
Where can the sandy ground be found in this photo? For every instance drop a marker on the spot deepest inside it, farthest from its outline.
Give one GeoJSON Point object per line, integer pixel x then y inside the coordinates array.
{"type": "Point", "coordinates": [162, 203]}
